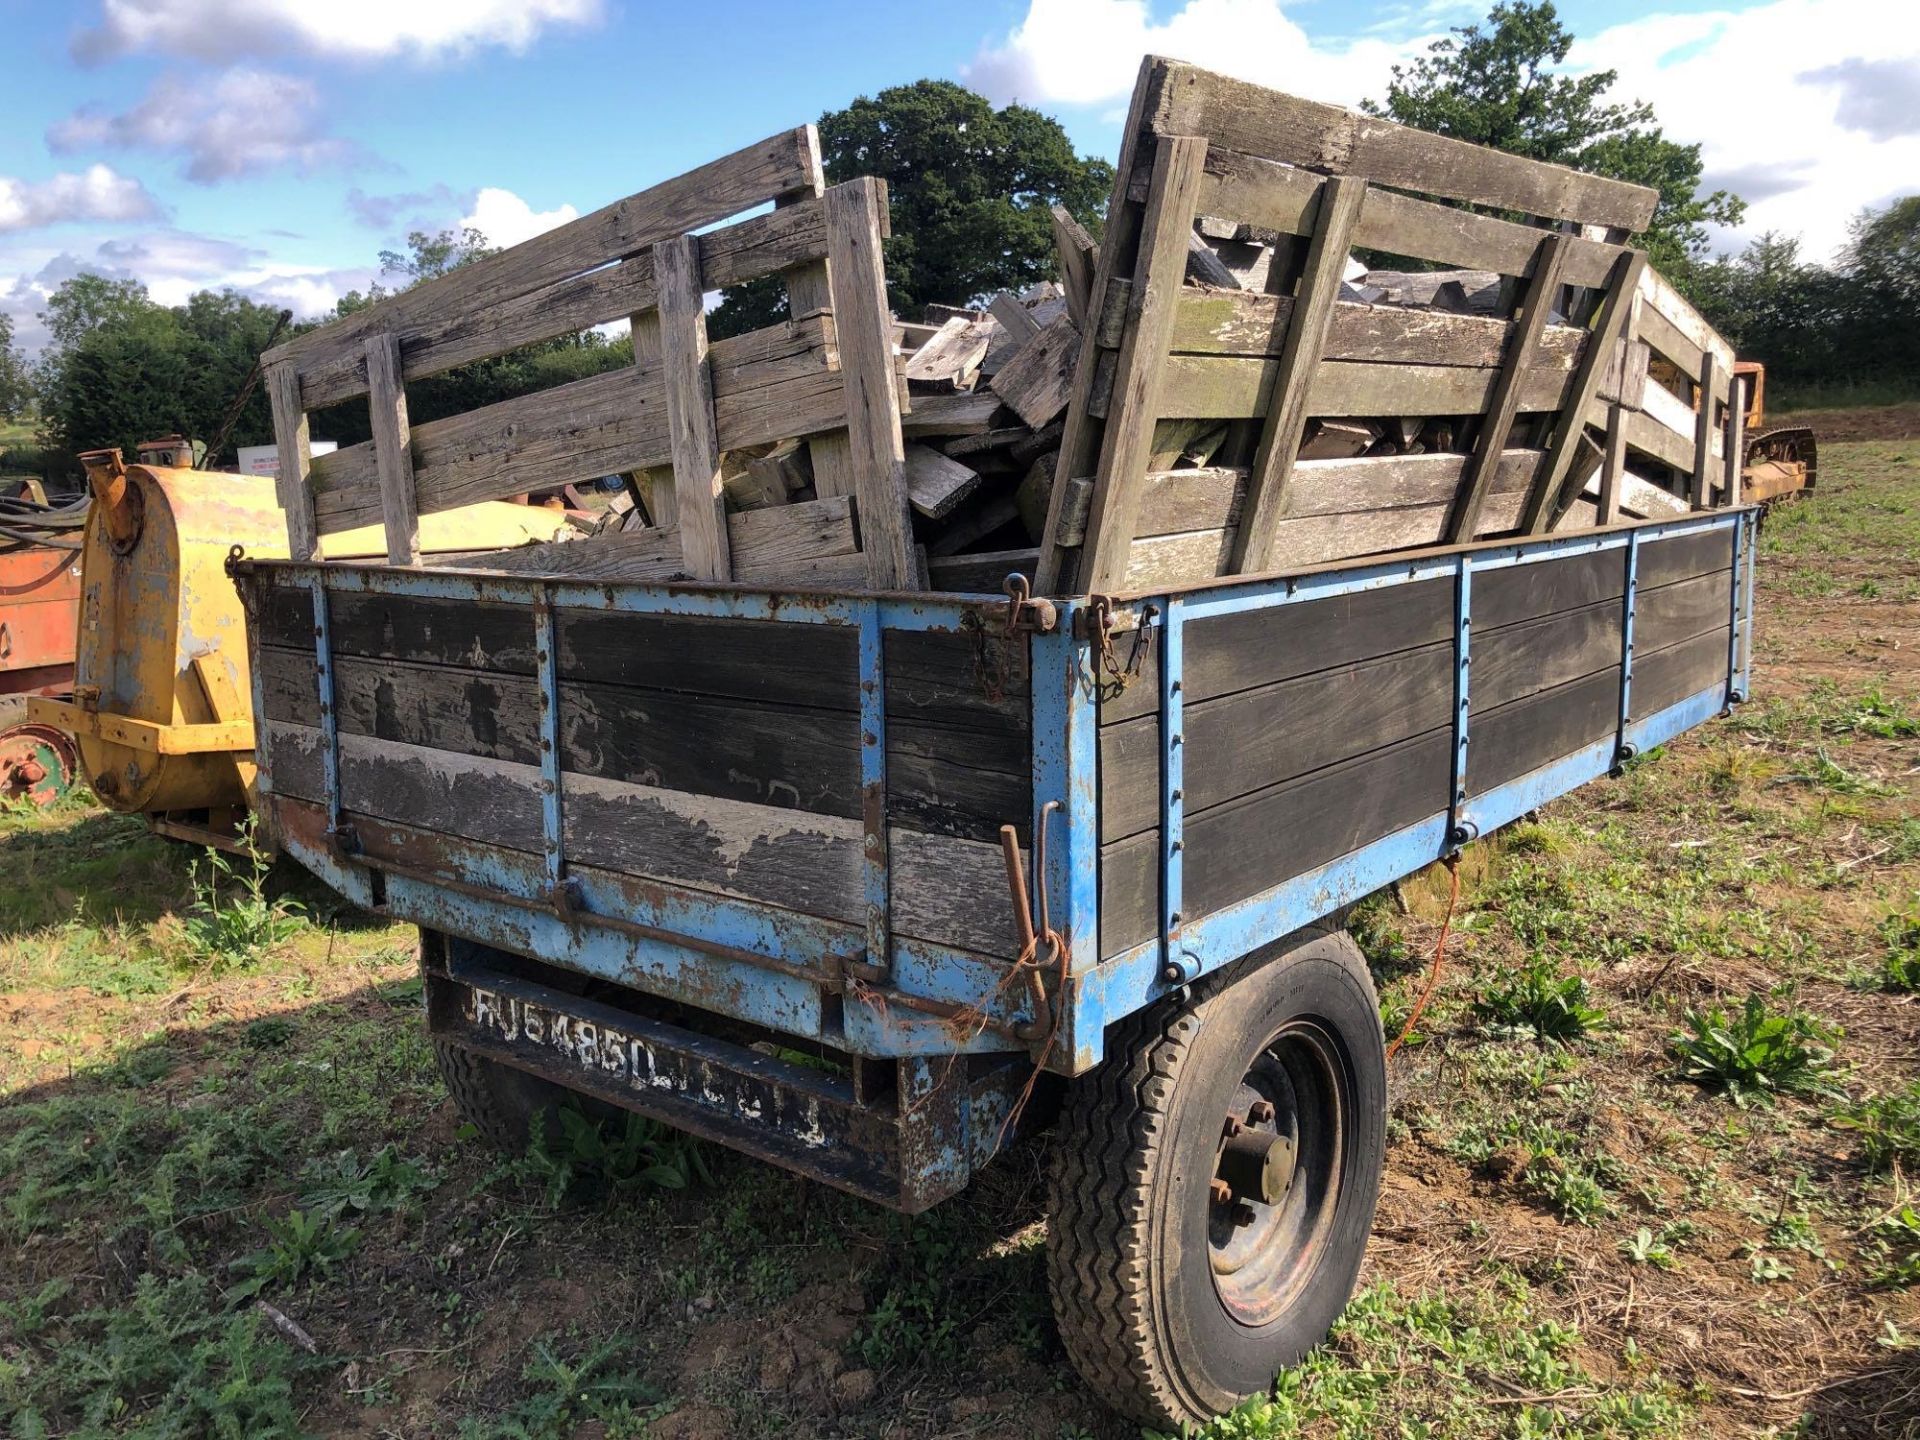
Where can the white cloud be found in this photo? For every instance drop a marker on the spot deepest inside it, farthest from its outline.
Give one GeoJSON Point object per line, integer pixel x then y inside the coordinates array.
{"type": "Point", "coordinates": [340, 29]}
{"type": "Point", "coordinates": [1086, 52]}
{"type": "Point", "coordinates": [244, 122]}
{"type": "Point", "coordinates": [1810, 104]}
{"type": "Point", "coordinates": [505, 219]}
{"type": "Point", "coordinates": [97, 193]}
{"type": "Point", "coordinates": [1808, 108]}
{"type": "Point", "coordinates": [430, 209]}
{"type": "Point", "coordinates": [172, 264]}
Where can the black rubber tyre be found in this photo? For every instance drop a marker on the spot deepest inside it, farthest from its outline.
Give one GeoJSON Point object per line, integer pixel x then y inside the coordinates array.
{"type": "Point", "coordinates": [1171, 1311]}
{"type": "Point", "coordinates": [497, 1100]}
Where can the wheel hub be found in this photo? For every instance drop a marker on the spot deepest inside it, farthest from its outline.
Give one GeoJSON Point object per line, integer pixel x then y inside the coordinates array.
{"type": "Point", "coordinates": [1276, 1178]}
{"type": "Point", "coordinates": [37, 764]}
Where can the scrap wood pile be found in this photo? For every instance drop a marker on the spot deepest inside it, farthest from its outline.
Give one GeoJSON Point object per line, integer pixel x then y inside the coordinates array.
{"type": "Point", "coordinates": [1276, 355]}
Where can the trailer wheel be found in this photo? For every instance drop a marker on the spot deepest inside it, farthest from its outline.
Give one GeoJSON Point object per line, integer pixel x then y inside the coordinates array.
{"type": "Point", "coordinates": [497, 1100]}
{"type": "Point", "coordinates": [1214, 1182]}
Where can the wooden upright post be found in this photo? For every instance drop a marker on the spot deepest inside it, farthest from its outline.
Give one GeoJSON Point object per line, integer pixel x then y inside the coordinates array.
{"type": "Point", "coordinates": [392, 452]}
{"type": "Point", "coordinates": [1536, 300]}
{"type": "Point", "coordinates": [293, 445]}
{"type": "Point", "coordinates": [1703, 428]}
{"type": "Point", "coordinates": [856, 218]}
{"type": "Point", "coordinates": [1286, 422]}
{"type": "Point", "coordinates": [690, 426]}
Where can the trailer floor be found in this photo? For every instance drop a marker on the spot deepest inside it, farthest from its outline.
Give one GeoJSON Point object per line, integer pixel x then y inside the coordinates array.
{"type": "Point", "coordinates": [1570, 1234]}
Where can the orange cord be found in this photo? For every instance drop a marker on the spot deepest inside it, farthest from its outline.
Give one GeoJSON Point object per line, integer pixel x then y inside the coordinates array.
{"type": "Point", "coordinates": [1452, 862]}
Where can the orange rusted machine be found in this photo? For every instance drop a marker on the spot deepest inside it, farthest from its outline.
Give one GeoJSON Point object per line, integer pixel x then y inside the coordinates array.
{"type": "Point", "coordinates": [161, 714]}
{"type": "Point", "coordinates": [39, 597]}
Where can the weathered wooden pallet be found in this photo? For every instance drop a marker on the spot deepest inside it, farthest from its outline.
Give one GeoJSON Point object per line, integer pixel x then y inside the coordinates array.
{"type": "Point", "coordinates": [826, 374]}
{"type": "Point", "coordinates": [1523, 385]}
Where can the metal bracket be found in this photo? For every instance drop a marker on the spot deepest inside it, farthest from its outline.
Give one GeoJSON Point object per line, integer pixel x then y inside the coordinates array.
{"type": "Point", "coordinates": [874, 864]}
{"type": "Point", "coordinates": [1173, 781]}
{"type": "Point", "coordinates": [329, 717]}
{"type": "Point", "coordinates": [552, 819]}
{"type": "Point", "coordinates": [1460, 831]}
{"type": "Point", "coordinates": [1622, 750]}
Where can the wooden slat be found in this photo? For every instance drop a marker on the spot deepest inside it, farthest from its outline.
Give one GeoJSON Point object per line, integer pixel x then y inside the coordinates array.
{"type": "Point", "coordinates": [810, 292]}
{"type": "Point", "coordinates": [1667, 314]}
{"type": "Point", "coordinates": [936, 483]}
{"type": "Point", "coordinates": [691, 432]}
{"type": "Point", "coordinates": [812, 542]}
{"type": "Point", "coordinates": [1190, 101]}
{"type": "Point", "coordinates": [1242, 322]}
{"type": "Point", "coordinates": [1233, 387]}
{"type": "Point", "coordinates": [1293, 383]}
{"type": "Point", "coordinates": [1078, 256]}
{"type": "Point", "coordinates": [1037, 379]}
{"type": "Point", "coordinates": [1135, 405]}
{"type": "Point", "coordinates": [1569, 425]}
{"type": "Point", "coordinates": [605, 424]}
{"type": "Point", "coordinates": [1734, 449]}
{"type": "Point", "coordinates": [1613, 465]}
{"type": "Point", "coordinates": [1701, 489]}
{"type": "Point", "coordinates": [855, 219]}
{"type": "Point", "coordinates": [1669, 675]}
{"type": "Point", "coordinates": [1083, 433]}
{"type": "Point", "coordinates": [1284, 198]}
{"type": "Point", "coordinates": [293, 441]}
{"type": "Point", "coordinates": [1542, 287]}
{"type": "Point", "coordinates": [392, 449]}
{"type": "Point", "coordinates": [688, 202]}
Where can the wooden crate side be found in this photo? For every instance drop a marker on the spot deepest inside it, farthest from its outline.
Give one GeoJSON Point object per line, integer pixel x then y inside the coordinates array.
{"type": "Point", "coordinates": [1187, 100]}
{"type": "Point", "coordinates": [734, 183]}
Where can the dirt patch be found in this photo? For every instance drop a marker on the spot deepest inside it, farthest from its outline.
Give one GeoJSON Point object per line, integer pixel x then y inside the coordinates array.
{"type": "Point", "coordinates": [1837, 427]}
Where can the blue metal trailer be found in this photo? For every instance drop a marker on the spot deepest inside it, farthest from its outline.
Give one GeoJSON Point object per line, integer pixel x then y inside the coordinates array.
{"type": "Point", "coordinates": [1467, 687]}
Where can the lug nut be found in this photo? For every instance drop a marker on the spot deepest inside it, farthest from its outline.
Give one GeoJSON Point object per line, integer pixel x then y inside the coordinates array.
{"type": "Point", "coordinates": [1243, 1214]}
{"type": "Point", "coordinates": [1221, 1192]}
{"type": "Point", "coordinates": [1260, 1113]}
{"type": "Point", "coordinates": [1232, 1127]}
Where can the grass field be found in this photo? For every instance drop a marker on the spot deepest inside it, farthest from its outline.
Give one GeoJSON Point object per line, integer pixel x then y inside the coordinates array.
{"type": "Point", "coordinates": [217, 1119]}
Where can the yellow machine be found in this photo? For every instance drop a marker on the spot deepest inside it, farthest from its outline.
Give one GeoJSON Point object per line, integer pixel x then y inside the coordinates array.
{"type": "Point", "coordinates": [162, 709]}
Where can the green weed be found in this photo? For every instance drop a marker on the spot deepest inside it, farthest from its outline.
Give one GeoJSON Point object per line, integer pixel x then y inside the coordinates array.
{"type": "Point", "coordinates": [165, 1361]}
{"type": "Point", "coordinates": [1752, 1054]}
{"type": "Point", "coordinates": [600, 1155]}
{"type": "Point", "coordinates": [1888, 1127]}
{"type": "Point", "coordinates": [386, 1184]}
{"type": "Point", "coordinates": [1537, 1001]}
{"type": "Point", "coordinates": [570, 1393]}
{"type": "Point", "coordinates": [299, 1244]}
{"type": "Point", "coordinates": [1895, 1243]}
{"type": "Point", "coordinates": [234, 919]}
{"type": "Point", "coordinates": [1643, 1247]}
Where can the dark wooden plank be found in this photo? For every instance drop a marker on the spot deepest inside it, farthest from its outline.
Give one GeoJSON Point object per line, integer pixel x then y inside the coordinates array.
{"type": "Point", "coordinates": [945, 890]}
{"type": "Point", "coordinates": [1669, 614]}
{"type": "Point", "coordinates": [1684, 556]}
{"type": "Point", "coordinates": [1254, 739]}
{"type": "Point", "coordinates": [1666, 677]}
{"type": "Point", "coordinates": [963, 681]}
{"type": "Point", "coordinates": [1515, 593]}
{"type": "Point", "coordinates": [1523, 659]}
{"type": "Point", "coordinates": [1259, 647]}
{"type": "Point", "coordinates": [1239, 849]}
{"type": "Point", "coordinates": [816, 665]}
{"type": "Point", "coordinates": [1509, 740]}
{"type": "Point", "coordinates": [484, 634]}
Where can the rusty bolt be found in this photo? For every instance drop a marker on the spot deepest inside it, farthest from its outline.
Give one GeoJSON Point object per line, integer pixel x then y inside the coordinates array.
{"type": "Point", "coordinates": [1221, 1192]}
{"type": "Point", "coordinates": [1243, 1213]}
{"type": "Point", "coordinates": [1260, 1113]}
{"type": "Point", "coordinates": [1232, 1127]}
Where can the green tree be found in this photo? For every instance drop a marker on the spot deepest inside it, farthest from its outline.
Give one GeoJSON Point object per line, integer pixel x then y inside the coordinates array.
{"type": "Point", "coordinates": [16, 388]}
{"type": "Point", "coordinates": [122, 369]}
{"type": "Point", "coordinates": [1500, 84]}
{"type": "Point", "coordinates": [969, 189]}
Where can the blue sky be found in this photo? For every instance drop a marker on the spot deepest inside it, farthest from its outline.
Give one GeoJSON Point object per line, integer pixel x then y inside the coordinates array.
{"type": "Point", "coordinates": [277, 145]}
